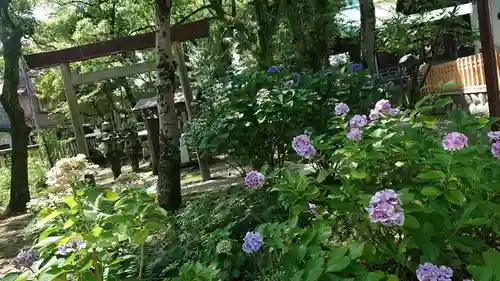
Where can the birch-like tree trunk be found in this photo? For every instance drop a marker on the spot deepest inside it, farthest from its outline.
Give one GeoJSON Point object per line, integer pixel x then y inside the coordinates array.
{"type": "Point", "coordinates": [19, 131]}
{"type": "Point", "coordinates": [368, 21]}
{"type": "Point", "coordinates": [169, 176]}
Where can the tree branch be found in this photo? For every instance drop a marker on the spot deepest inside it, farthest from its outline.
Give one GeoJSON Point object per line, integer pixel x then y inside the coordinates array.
{"type": "Point", "coordinates": [194, 12]}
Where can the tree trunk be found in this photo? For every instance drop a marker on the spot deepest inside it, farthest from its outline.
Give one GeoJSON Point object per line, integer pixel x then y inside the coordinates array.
{"type": "Point", "coordinates": [169, 176]}
{"type": "Point", "coordinates": [368, 21]}
{"type": "Point", "coordinates": [19, 131]}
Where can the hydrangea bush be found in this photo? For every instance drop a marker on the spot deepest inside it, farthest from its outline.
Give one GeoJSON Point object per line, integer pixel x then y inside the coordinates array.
{"type": "Point", "coordinates": [251, 116]}
{"type": "Point", "coordinates": [403, 196]}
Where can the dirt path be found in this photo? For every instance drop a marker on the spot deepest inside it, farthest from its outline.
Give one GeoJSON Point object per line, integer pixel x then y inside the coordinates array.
{"type": "Point", "coordinates": [12, 230]}
{"type": "Point", "coordinates": [12, 238]}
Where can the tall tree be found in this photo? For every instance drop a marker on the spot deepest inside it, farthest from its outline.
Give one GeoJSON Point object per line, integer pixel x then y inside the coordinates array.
{"type": "Point", "coordinates": [169, 172]}
{"type": "Point", "coordinates": [368, 22]}
{"type": "Point", "coordinates": [12, 29]}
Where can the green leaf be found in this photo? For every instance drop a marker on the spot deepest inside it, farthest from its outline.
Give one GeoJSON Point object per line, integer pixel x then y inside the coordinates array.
{"type": "Point", "coordinates": [322, 175]}
{"type": "Point", "coordinates": [392, 277]}
{"type": "Point", "coordinates": [298, 275]}
{"type": "Point", "coordinates": [139, 236]}
{"type": "Point", "coordinates": [90, 215]}
{"type": "Point", "coordinates": [432, 175]}
{"type": "Point", "coordinates": [359, 174]}
{"type": "Point", "coordinates": [53, 215]}
{"type": "Point", "coordinates": [478, 221]}
{"type": "Point", "coordinates": [411, 222]}
{"type": "Point", "coordinates": [374, 276]}
{"type": "Point", "coordinates": [69, 223]}
{"type": "Point", "coordinates": [356, 249]}
{"type": "Point", "coordinates": [455, 197]}
{"type": "Point", "coordinates": [324, 233]}
{"type": "Point", "coordinates": [314, 269]}
{"type": "Point", "coordinates": [480, 273]}
{"type": "Point", "coordinates": [111, 195]}
{"type": "Point", "coordinates": [11, 276]}
{"type": "Point", "coordinates": [337, 253]}
{"type": "Point", "coordinates": [337, 265]}
{"type": "Point", "coordinates": [97, 230]}
{"type": "Point", "coordinates": [430, 191]}
{"type": "Point", "coordinates": [377, 133]}
{"type": "Point", "coordinates": [48, 241]}
{"type": "Point", "coordinates": [430, 252]}
{"type": "Point", "coordinates": [50, 275]}
{"type": "Point", "coordinates": [70, 201]}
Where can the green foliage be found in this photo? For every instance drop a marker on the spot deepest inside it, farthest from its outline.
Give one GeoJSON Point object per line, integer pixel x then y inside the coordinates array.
{"type": "Point", "coordinates": [37, 167]}
{"type": "Point", "coordinates": [253, 115]}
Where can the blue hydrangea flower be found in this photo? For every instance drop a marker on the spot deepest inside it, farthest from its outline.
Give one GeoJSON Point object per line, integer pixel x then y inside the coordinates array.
{"type": "Point", "coordinates": [25, 258]}
{"type": "Point", "coordinates": [254, 179]}
{"type": "Point", "coordinates": [374, 114]}
{"type": "Point", "coordinates": [252, 242]}
{"type": "Point", "coordinates": [355, 134]}
{"type": "Point", "coordinates": [302, 145]}
{"type": "Point", "coordinates": [355, 67]}
{"type": "Point", "coordinates": [431, 272]}
{"type": "Point", "coordinates": [312, 208]}
{"type": "Point", "coordinates": [74, 244]}
{"type": "Point", "coordinates": [358, 121]}
{"type": "Point", "coordinates": [386, 208]}
{"type": "Point", "coordinates": [273, 69]}
{"type": "Point", "coordinates": [341, 109]}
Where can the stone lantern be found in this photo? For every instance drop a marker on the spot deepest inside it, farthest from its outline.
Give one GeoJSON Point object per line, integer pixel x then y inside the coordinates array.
{"type": "Point", "coordinates": [132, 145]}
{"type": "Point", "coordinates": [111, 148]}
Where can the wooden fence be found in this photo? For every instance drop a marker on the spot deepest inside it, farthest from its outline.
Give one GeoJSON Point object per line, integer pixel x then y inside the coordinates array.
{"type": "Point", "coordinates": [467, 74]}
{"type": "Point", "coordinates": [61, 150]}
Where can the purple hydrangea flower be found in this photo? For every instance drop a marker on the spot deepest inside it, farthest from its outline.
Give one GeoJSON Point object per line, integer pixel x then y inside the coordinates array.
{"type": "Point", "coordinates": [431, 272]}
{"type": "Point", "coordinates": [355, 67]}
{"type": "Point", "coordinates": [374, 114]}
{"type": "Point", "coordinates": [383, 106]}
{"type": "Point", "coordinates": [273, 69]}
{"type": "Point", "coordinates": [358, 121]}
{"type": "Point", "coordinates": [252, 242]}
{"type": "Point", "coordinates": [74, 244]}
{"type": "Point", "coordinates": [254, 179]}
{"type": "Point", "coordinates": [495, 149]}
{"type": "Point", "coordinates": [355, 134]}
{"type": "Point", "coordinates": [455, 141]}
{"type": "Point", "coordinates": [494, 135]}
{"type": "Point", "coordinates": [394, 111]}
{"type": "Point", "coordinates": [341, 109]}
{"type": "Point", "coordinates": [302, 145]}
{"type": "Point", "coordinates": [312, 208]}
{"type": "Point", "coordinates": [25, 258]}
{"type": "Point", "coordinates": [468, 280]}
{"type": "Point", "coordinates": [386, 208]}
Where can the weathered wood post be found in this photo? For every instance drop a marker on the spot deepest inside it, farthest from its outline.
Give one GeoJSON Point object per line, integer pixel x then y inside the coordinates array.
{"type": "Point", "coordinates": [188, 99]}
{"type": "Point", "coordinates": [153, 129]}
{"type": "Point", "coordinates": [76, 118]}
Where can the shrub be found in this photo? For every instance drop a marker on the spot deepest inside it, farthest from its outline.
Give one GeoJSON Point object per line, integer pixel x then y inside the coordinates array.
{"type": "Point", "coordinates": [251, 116]}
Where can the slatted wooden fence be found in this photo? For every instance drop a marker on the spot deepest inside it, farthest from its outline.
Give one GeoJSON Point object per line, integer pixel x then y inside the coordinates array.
{"type": "Point", "coordinates": [467, 74]}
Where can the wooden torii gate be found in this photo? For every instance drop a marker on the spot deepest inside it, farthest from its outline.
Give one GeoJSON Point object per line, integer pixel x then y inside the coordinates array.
{"type": "Point", "coordinates": [64, 57]}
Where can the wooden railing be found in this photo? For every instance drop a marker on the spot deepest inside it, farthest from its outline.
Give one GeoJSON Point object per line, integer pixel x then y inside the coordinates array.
{"type": "Point", "coordinates": [464, 74]}
{"type": "Point", "coordinates": [61, 150]}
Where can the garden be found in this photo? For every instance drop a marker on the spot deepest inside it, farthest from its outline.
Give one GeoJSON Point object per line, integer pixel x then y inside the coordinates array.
{"type": "Point", "coordinates": [392, 194]}
{"type": "Point", "coordinates": [341, 175]}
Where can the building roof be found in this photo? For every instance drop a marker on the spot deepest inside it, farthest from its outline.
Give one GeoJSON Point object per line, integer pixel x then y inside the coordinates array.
{"type": "Point", "coordinates": [409, 7]}
{"type": "Point", "coordinates": [151, 102]}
